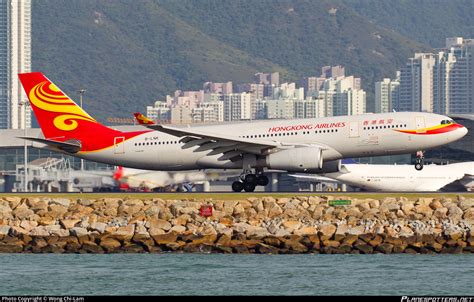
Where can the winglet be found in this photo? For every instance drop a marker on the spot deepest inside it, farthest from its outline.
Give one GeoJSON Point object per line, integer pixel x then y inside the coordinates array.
{"type": "Point", "coordinates": [143, 120]}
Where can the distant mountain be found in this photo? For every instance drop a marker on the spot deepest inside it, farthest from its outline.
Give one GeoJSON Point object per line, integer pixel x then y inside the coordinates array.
{"type": "Point", "coordinates": [127, 54]}
{"type": "Point", "coordinates": [427, 21]}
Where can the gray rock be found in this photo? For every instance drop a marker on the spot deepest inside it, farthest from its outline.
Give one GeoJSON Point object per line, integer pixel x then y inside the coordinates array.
{"type": "Point", "coordinates": [257, 232]}
{"type": "Point", "coordinates": [454, 212]}
{"type": "Point", "coordinates": [153, 211]}
{"type": "Point", "coordinates": [61, 201]}
{"type": "Point", "coordinates": [39, 231]}
{"type": "Point", "coordinates": [282, 233]}
{"type": "Point", "coordinates": [466, 204]}
{"type": "Point", "coordinates": [241, 227]}
{"type": "Point", "coordinates": [98, 226]}
{"type": "Point", "coordinates": [358, 230]}
{"type": "Point", "coordinates": [85, 202]}
{"type": "Point", "coordinates": [77, 231]}
{"type": "Point", "coordinates": [60, 233]}
{"type": "Point", "coordinates": [273, 227]}
{"type": "Point", "coordinates": [5, 208]}
{"type": "Point", "coordinates": [4, 229]}
{"type": "Point", "coordinates": [51, 228]}
{"type": "Point", "coordinates": [119, 221]}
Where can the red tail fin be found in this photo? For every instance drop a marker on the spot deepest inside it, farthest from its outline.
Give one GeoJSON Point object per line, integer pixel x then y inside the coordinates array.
{"type": "Point", "coordinates": [57, 114]}
{"type": "Point", "coordinates": [143, 120]}
{"type": "Point", "coordinates": [61, 119]}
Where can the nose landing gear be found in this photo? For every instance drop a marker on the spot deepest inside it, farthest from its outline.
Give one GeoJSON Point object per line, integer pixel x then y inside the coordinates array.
{"type": "Point", "coordinates": [420, 158]}
{"type": "Point", "coordinates": [248, 181]}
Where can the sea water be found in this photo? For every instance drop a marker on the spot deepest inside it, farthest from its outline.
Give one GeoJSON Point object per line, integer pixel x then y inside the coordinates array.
{"type": "Point", "coordinates": [221, 274]}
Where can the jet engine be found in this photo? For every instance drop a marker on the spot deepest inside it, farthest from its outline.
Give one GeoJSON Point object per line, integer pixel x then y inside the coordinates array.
{"type": "Point", "coordinates": [296, 159]}
{"type": "Point", "coordinates": [330, 166]}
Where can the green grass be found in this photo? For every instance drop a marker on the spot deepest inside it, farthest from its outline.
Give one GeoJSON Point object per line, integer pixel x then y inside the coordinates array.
{"type": "Point", "coordinates": [237, 196]}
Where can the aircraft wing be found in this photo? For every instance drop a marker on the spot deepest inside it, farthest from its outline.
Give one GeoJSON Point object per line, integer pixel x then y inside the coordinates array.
{"type": "Point", "coordinates": [314, 177]}
{"type": "Point", "coordinates": [231, 147]}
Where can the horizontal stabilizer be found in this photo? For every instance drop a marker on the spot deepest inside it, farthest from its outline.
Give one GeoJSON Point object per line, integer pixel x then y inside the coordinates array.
{"type": "Point", "coordinates": [70, 146]}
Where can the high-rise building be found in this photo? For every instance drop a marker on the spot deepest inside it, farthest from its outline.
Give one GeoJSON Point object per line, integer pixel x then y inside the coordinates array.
{"type": "Point", "coordinates": [416, 84]}
{"type": "Point", "coordinates": [237, 106]}
{"type": "Point", "coordinates": [255, 89]}
{"type": "Point", "coordinates": [309, 108]}
{"type": "Point", "coordinates": [160, 112]}
{"type": "Point", "coordinates": [312, 85]}
{"type": "Point", "coordinates": [281, 109]}
{"type": "Point", "coordinates": [386, 94]}
{"type": "Point", "coordinates": [15, 58]}
{"type": "Point", "coordinates": [453, 84]}
{"type": "Point", "coordinates": [258, 109]}
{"type": "Point", "coordinates": [208, 112]}
{"type": "Point", "coordinates": [268, 78]}
{"type": "Point", "coordinates": [441, 82]}
{"type": "Point", "coordinates": [181, 115]}
{"type": "Point", "coordinates": [220, 88]}
{"type": "Point", "coordinates": [269, 81]}
{"type": "Point", "coordinates": [441, 78]}
{"type": "Point", "coordinates": [340, 97]}
{"type": "Point", "coordinates": [333, 71]}
{"type": "Point", "coordinates": [288, 91]}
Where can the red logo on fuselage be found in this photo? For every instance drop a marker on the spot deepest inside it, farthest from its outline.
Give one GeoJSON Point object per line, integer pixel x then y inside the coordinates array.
{"type": "Point", "coordinates": [306, 127]}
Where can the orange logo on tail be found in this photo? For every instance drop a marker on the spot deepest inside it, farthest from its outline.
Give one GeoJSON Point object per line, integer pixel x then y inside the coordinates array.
{"type": "Point", "coordinates": [143, 120]}
{"type": "Point", "coordinates": [48, 97]}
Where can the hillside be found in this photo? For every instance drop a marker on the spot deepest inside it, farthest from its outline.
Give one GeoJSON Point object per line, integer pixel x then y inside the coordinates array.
{"type": "Point", "coordinates": [427, 21]}
{"type": "Point", "coordinates": [128, 54]}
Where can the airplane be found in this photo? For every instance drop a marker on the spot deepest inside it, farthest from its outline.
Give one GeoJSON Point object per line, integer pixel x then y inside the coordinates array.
{"type": "Point", "coordinates": [398, 178]}
{"type": "Point", "coordinates": [297, 145]}
{"type": "Point", "coordinates": [137, 179]}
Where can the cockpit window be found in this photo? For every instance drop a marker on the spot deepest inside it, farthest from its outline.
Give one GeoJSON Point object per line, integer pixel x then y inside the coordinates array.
{"type": "Point", "coordinates": [443, 122]}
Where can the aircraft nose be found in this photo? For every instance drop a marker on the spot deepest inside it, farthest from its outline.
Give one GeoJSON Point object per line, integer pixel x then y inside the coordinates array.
{"type": "Point", "coordinates": [462, 131]}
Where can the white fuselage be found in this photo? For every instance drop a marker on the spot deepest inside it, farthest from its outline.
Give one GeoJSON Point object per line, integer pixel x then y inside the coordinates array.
{"type": "Point", "coordinates": [343, 136]}
{"type": "Point", "coordinates": [402, 177]}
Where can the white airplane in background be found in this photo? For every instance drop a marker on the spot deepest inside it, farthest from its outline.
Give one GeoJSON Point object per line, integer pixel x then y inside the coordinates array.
{"type": "Point", "coordinates": [299, 145]}
{"type": "Point", "coordinates": [397, 178]}
{"type": "Point", "coordinates": [137, 179]}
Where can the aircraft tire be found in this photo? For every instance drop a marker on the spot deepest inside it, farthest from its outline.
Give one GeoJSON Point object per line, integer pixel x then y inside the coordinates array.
{"type": "Point", "coordinates": [249, 187]}
{"type": "Point", "coordinates": [237, 186]}
{"type": "Point", "coordinates": [251, 178]}
{"type": "Point", "coordinates": [262, 180]}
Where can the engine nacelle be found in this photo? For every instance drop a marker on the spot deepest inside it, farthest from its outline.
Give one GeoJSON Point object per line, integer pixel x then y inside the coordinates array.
{"type": "Point", "coordinates": [296, 159]}
{"type": "Point", "coordinates": [330, 166]}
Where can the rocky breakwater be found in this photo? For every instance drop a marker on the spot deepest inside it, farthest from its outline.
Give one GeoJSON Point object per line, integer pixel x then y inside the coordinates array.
{"type": "Point", "coordinates": [300, 224]}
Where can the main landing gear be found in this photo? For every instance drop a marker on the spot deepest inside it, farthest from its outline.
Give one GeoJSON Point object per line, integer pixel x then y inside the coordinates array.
{"type": "Point", "coordinates": [420, 158]}
{"type": "Point", "coordinates": [248, 181]}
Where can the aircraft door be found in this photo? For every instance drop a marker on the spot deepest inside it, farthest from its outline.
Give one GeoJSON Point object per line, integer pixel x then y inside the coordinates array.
{"type": "Point", "coordinates": [119, 145]}
{"type": "Point", "coordinates": [420, 124]}
{"type": "Point", "coordinates": [353, 129]}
